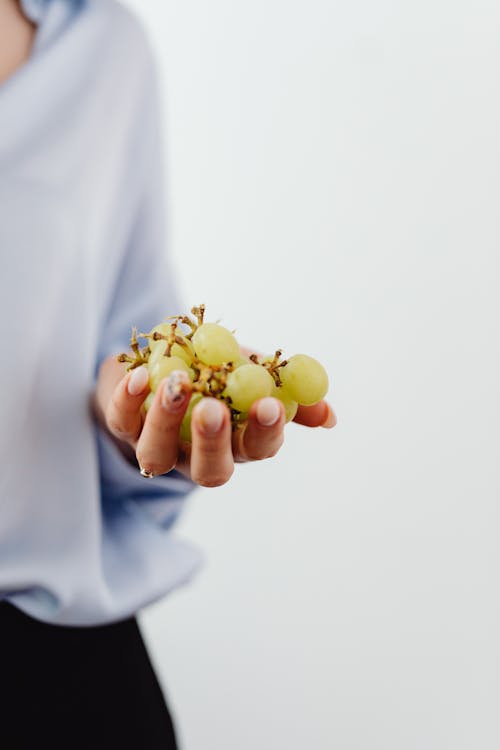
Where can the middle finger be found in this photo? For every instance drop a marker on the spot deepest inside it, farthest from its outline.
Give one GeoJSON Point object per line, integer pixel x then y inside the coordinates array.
{"type": "Point", "coordinates": [158, 443]}
{"type": "Point", "coordinates": [211, 455]}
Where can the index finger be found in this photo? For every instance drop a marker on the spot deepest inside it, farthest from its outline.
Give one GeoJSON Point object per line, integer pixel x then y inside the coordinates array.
{"type": "Point", "coordinates": [123, 413]}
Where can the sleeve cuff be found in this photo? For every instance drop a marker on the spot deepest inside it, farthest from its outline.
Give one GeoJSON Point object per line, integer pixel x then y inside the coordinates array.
{"type": "Point", "coordinates": [162, 497]}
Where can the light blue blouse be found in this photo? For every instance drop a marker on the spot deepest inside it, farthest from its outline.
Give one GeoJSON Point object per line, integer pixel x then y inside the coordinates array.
{"type": "Point", "coordinates": [84, 539]}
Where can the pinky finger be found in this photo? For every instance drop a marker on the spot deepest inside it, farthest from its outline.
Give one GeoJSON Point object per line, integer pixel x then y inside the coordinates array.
{"type": "Point", "coordinates": [318, 415]}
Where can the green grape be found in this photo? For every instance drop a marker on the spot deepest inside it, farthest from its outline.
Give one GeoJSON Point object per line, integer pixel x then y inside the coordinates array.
{"type": "Point", "coordinates": [265, 358]}
{"type": "Point", "coordinates": [164, 329]}
{"type": "Point", "coordinates": [246, 384]}
{"type": "Point", "coordinates": [185, 431]}
{"type": "Point", "coordinates": [215, 345]}
{"type": "Point", "coordinates": [242, 360]}
{"type": "Point", "coordinates": [304, 379]}
{"type": "Point", "coordinates": [157, 353]}
{"type": "Point", "coordinates": [164, 367]}
{"type": "Point", "coordinates": [290, 405]}
{"type": "Point", "coordinates": [240, 417]}
{"type": "Point", "coordinates": [149, 400]}
{"type": "Point", "coordinates": [185, 352]}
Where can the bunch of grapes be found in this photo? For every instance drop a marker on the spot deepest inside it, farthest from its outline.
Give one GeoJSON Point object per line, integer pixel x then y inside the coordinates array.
{"type": "Point", "coordinates": [216, 366]}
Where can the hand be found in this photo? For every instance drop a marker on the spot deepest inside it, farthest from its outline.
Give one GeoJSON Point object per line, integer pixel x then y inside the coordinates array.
{"type": "Point", "coordinates": [153, 436]}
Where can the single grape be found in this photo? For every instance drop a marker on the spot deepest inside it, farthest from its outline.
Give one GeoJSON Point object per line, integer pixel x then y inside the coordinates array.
{"type": "Point", "coordinates": [215, 345]}
{"type": "Point", "coordinates": [304, 379]}
{"type": "Point", "coordinates": [157, 353]}
{"type": "Point", "coordinates": [246, 384]}
{"type": "Point", "coordinates": [288, 402]}
{"type": "Point", "coordinates": [184, 351]}
{"type": "Point", "coordinates": [164, 367]}
{"type": "Point", "coordinates": [185, 431]}
{"type": "Point", "coordinates": [164, 329]}
{"type": "Point", "coordinates": [149, 400]}
{"type": "Point", "coordinates": [242, 360]}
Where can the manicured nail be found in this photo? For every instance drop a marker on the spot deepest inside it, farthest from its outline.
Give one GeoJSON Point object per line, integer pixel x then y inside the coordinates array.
{"type": "Point", "coordinates": [268, 412]}
{"type": "Point", "coordinates": [175, 390]}
{"type": "Point", "coordinates": [331, 419]}
{"type": "Point", "coordinates": [138, 380]}
{"type": "Point", "coordinates": [210, 415]}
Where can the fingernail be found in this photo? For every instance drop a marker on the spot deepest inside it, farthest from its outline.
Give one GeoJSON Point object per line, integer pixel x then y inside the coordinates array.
{"type": "Point", "coordinates": [175, 390]}
{"type": "Point", "coordinates": [138, 380]}
{"type": "Point", "coordinates": [210, 415]}
{"type": "Point", "coordinates": [268, 412]}
{"type": "Point", "coordinates": [331, 419]}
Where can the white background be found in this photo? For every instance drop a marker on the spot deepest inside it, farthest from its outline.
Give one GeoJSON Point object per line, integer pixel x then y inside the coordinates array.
{"type": "Point", "coordinates": [333, 179]}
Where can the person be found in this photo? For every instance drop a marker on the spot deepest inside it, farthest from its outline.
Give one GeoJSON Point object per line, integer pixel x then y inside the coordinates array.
{"type": "Point", "coordinates": [85, 540]}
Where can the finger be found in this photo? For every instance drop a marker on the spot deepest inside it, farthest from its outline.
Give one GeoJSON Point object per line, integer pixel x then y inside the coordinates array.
{"type": "Point", "coordinates": [211, 454]}
{"type": "Point", "coordinates": [123, 412]}
{"type": "Point", "coordinates": [262, 435]}
{"type": "Point", "coordinates": [157, 446]}
{"type": "Point", "coordinates": [318, 415]}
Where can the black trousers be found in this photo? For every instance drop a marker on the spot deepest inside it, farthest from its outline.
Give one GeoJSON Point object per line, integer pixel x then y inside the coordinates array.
{"type": "Point", "coordinates": [78, 688]}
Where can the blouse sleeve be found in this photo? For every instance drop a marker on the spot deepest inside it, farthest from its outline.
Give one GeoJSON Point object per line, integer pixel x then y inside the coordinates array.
{"type": "Point", "coordinates": [144, 290]}
{"type": "Point", "coordinates": [144, 294]}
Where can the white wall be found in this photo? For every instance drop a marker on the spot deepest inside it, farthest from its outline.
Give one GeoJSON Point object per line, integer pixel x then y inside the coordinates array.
{"type": "Point", "coordinates": [334, 189]}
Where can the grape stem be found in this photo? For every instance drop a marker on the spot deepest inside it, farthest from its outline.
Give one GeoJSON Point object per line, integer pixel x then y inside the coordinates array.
{"type": "Point", "coordinates": [185, 320]}
{"type": "Point", "coordinates": [171, 339]}
{"type": "Point", "coordinates": [199, 312]}
{"type": "Point", "coordinates": [273, 366]}
{"type": "Point", "coordinates": [140, 357]}
{"type": "Point", "coordinates": [211, 379]}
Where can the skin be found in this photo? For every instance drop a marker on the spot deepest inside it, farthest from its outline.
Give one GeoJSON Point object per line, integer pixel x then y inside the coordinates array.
{"type": "Point", "coordinates": [16, 38]}
{"type": "Point", "coordinates": [150, 440]}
